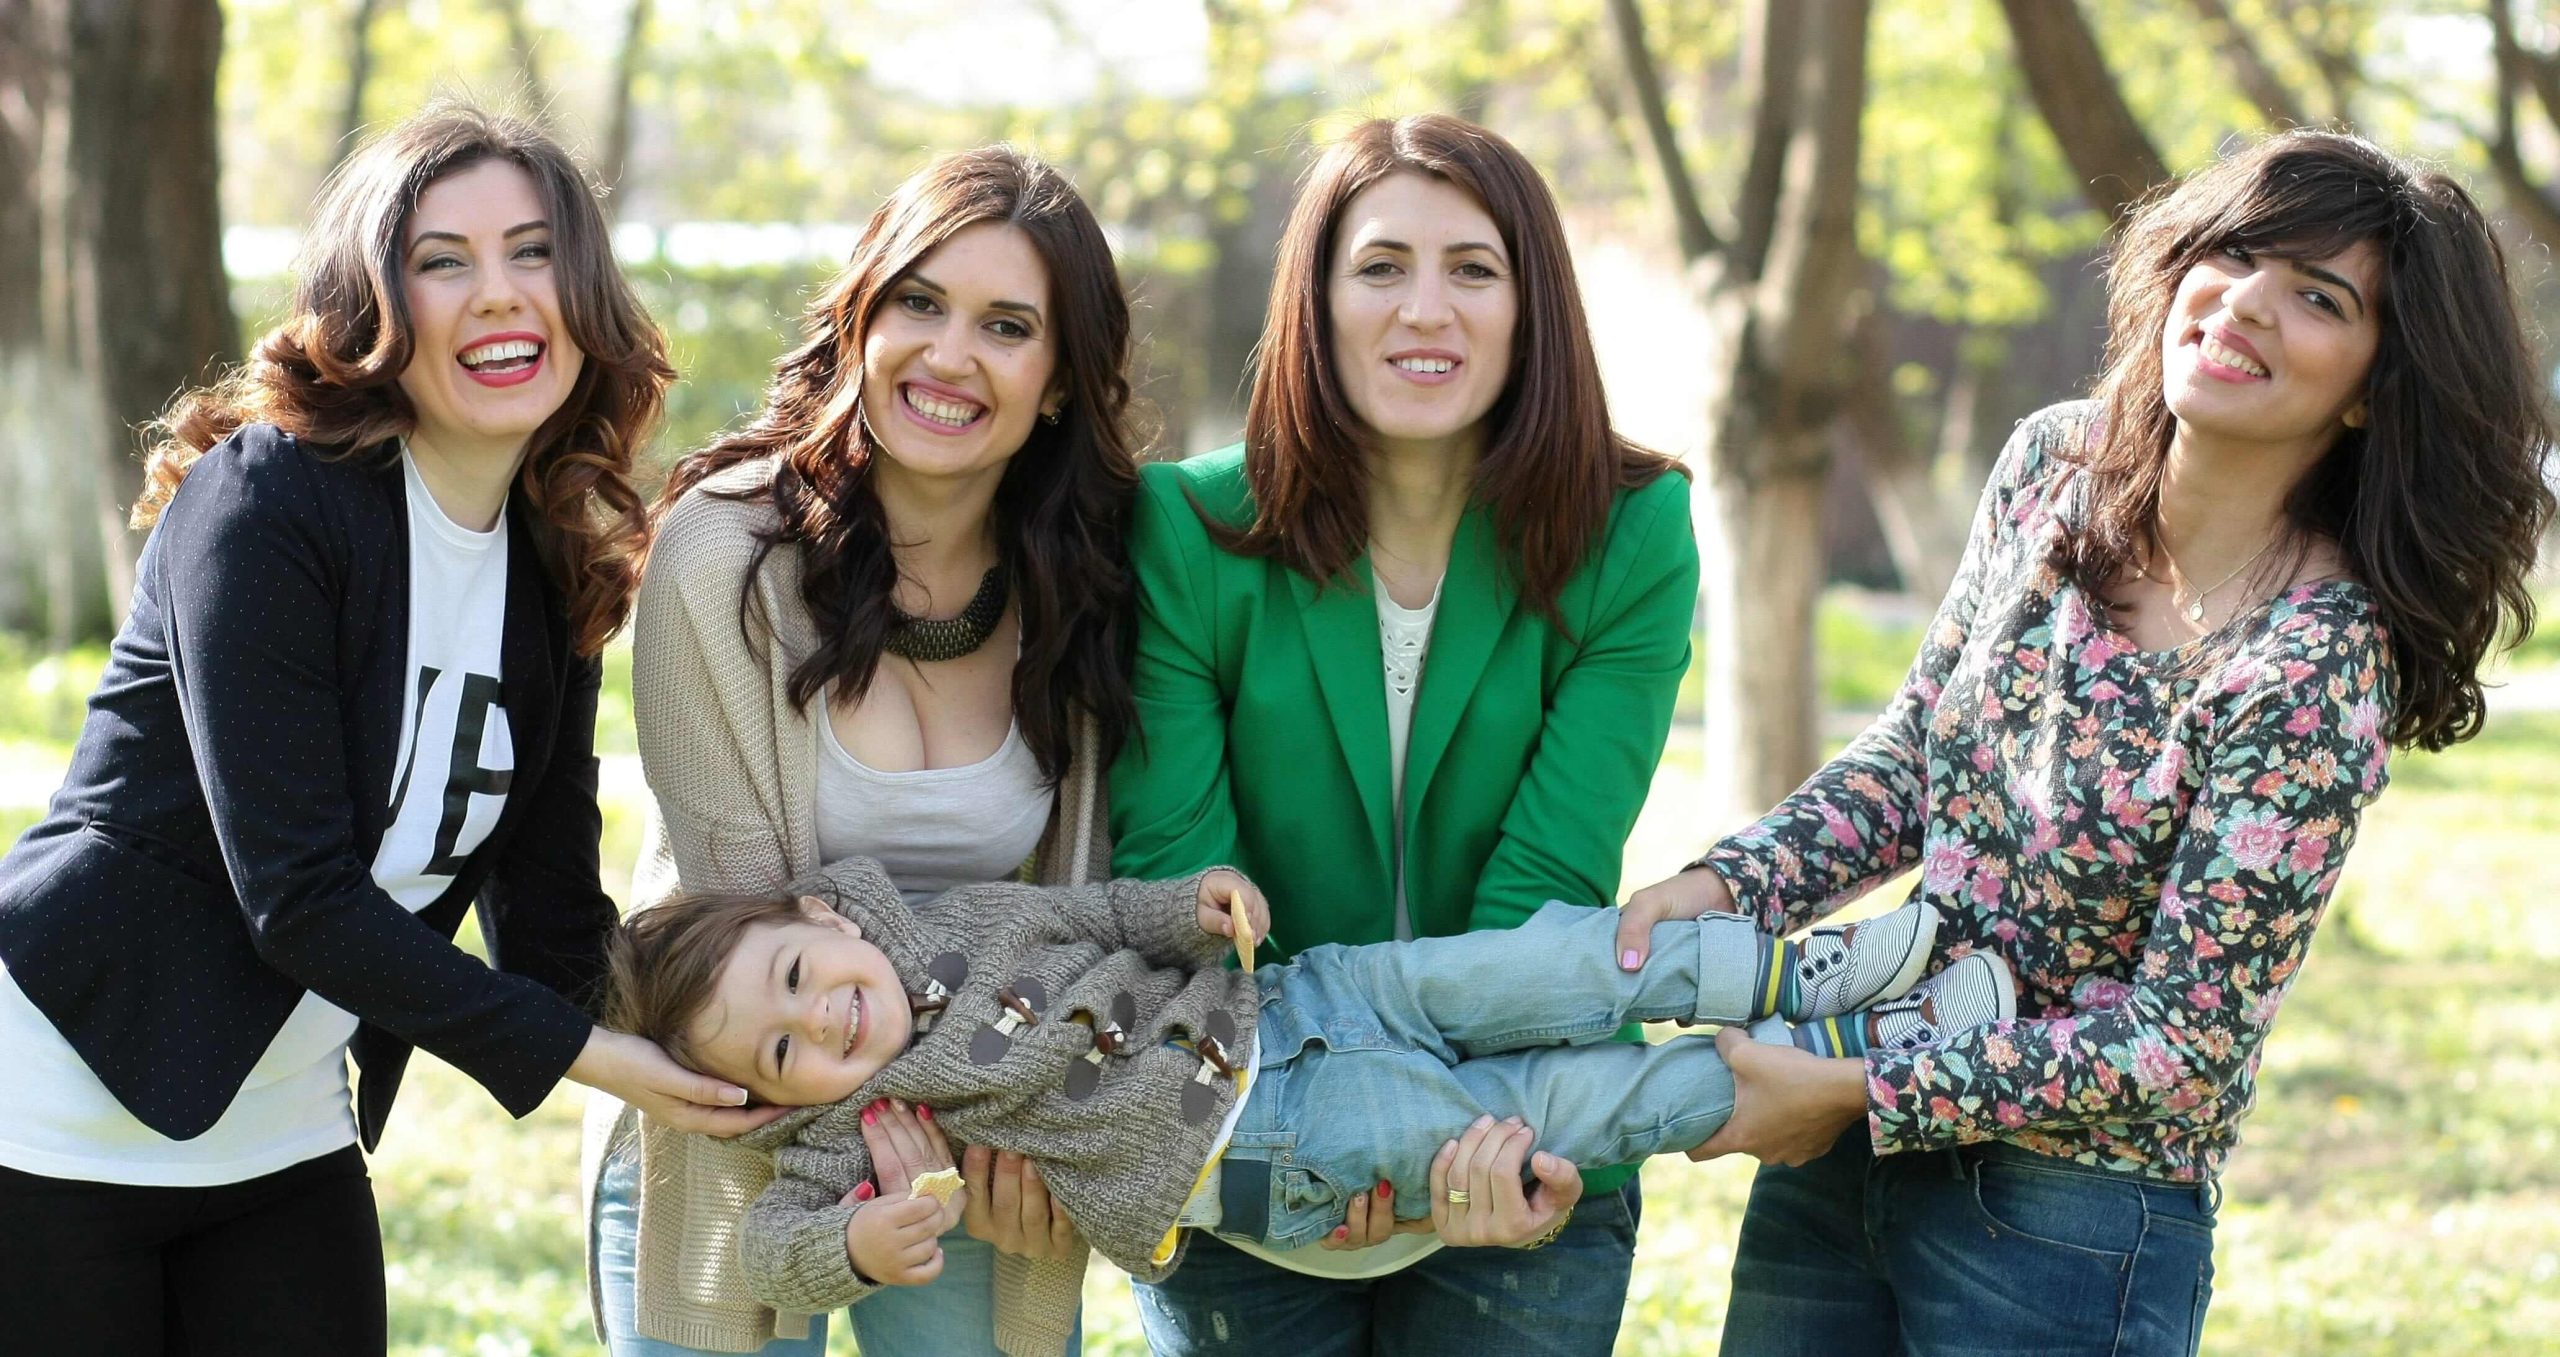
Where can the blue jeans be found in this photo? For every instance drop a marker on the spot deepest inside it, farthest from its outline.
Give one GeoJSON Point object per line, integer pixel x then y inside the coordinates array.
{"type": "Point", "coordinates": [1368, 1058]}
{"type": "Point", "coordinates": [1564, 1300]}
{"type": "Point", "coordinates": [952, 1317]}
{"type": "Point", "coordinates": [1985, 1251]}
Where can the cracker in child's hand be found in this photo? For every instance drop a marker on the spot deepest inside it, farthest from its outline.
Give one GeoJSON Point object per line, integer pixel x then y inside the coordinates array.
{"type": "Point", "coordinates": [939, 1185]}
{"type": "Point", "coordinates": [1244, 930]}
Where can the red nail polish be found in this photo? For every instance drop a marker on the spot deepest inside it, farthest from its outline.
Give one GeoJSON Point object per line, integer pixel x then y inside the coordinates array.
{"type": "Point", "coordinates": [865, 1192]}
{"type": "Point", "coordinates": [871, 1115]}
{"type": "Point", "coordinates": [1385, 1188]}
{"type": "Point", "coordinates": [1342, 1232]}
{"type": "Point", "coordinates": [923, 1113]}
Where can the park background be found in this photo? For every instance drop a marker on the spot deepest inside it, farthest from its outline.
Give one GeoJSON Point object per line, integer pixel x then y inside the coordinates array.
{"type": "Point", "coordinates": [1832, 250]}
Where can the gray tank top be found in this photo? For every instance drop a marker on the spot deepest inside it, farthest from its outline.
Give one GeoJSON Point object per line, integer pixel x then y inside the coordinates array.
{"type": "Point", "coordinates": [933, 828]}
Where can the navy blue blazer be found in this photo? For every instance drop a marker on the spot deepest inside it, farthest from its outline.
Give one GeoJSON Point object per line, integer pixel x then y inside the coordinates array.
{"type": "Point", "coordinates": [209, 857]}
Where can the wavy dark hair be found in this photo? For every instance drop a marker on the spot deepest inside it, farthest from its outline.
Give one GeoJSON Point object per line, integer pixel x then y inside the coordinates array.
{"type": "Point", "coordinates": [1552, 463]}
{"type": "Point", "coordinates": [2437, 504]}
{"type": "Point", "coordinates": [1061, 508]}
{"type": "Point", "coordinates": [330, 372]}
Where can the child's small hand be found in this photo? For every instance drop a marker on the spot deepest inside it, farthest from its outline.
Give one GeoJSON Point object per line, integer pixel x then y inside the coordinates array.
{"type": "Point", "coordinates": [897, 1241]}
{"type": "Point", "coordinates": [1224, 895]}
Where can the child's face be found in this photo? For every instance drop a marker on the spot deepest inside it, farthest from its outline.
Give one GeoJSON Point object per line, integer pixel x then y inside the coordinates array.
{"type": "Point", "coordinates": [804, 1012]}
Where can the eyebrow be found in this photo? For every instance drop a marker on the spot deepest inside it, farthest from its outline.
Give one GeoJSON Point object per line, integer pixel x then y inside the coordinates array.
{"type": "Point", "coordinates": [1401, 247]}
{"type": "Point", "coordinates": [772, 978]}
{"type": "Point", "coordinates": [459, 239]}
{"type": "Point", "coordinates": [2333, 280]}
{"type": "Point", "coordinates": [938, 290]}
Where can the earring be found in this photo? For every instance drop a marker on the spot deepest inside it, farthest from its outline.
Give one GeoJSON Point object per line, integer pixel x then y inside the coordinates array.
{"type": "Point", "coordinates": [1049, 416]}
{"type": "Point", "coordinates": [2355, 418]}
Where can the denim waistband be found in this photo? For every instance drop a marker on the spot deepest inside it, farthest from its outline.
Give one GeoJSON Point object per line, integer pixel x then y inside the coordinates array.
{"type": "Point", "coordinates": [2207, 1192]}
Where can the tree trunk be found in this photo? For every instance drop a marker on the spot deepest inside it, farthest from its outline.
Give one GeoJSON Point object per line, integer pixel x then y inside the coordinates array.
{"type": "Point", "coordinates": [522, 40]}
{"type": "Point", "coordinates": [2068, 79]}
{"type": "Point", "coordinates": [145, 302]}
{"type": "Point", "coordinates": [1918, 530]}
{"type": "Point", "coordinates": [616, 161]}
{"type": "Point", "coordinates": [359, 75]}
{"type": "Point", "coordinates": [1776, 381]}
{"type": "Point", "coordinates": [1760, 527]}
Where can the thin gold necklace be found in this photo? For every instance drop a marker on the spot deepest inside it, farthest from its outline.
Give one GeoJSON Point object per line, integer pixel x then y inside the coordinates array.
{"type": "Point", "coordinates": [2195, 602]}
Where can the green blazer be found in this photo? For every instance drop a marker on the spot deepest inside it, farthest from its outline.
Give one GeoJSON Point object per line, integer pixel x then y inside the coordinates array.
{"type": "Point", "coordinates": [1262, 720]}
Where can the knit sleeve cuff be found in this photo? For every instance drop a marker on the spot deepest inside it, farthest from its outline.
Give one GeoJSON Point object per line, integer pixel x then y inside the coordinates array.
{"type": "Point", "coordinates": [1161, 919]}
{"type": "Point", "coordinates": [803, 1265]}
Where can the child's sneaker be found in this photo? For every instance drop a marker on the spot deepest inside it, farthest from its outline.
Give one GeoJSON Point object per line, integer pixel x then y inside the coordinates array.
{"type": "Point", "coordinates": [1972, 990]}
{"type": "Point", "coordinates": [1847, 967]}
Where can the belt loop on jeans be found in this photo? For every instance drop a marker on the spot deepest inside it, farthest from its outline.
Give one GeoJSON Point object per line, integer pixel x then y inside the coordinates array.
{"type": "Point", "coordinates": [1244, 1196]}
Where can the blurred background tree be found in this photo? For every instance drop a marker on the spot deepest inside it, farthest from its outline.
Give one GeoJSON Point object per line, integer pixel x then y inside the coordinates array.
{"type": "Point", "coordinates": [1867, 227]}
{"type": "Point", "coordinates": [1832, 251]}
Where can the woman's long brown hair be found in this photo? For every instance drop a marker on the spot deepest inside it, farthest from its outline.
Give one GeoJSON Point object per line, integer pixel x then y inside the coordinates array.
{"type": "Point", "coordinates": [1551, 463]}
{"type": "Point", "coordinates": [330, 373]}
{"type": "Point", "coordinates": [1063, 503]}
{"type": "Point", "coordinates": [2438, 503]}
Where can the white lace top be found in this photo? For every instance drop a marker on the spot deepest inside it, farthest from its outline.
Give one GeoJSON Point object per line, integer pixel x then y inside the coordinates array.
{"type": "Point", "coordinates": [1404, 638]}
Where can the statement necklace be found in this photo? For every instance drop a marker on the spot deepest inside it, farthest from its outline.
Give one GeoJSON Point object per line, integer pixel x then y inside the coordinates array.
{"type": "Point", "coordinates": [927, 640]}
{"type": "Point", "coordinates": [2195, 602]}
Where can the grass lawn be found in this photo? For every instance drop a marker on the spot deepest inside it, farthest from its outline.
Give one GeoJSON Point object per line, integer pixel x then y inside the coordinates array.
{"type": "Point", "coordinates": [2398, 1191]}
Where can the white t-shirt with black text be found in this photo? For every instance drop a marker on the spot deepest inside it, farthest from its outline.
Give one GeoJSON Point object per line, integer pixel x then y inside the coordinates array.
{"type": "Point", "coordinates": [450, 781]}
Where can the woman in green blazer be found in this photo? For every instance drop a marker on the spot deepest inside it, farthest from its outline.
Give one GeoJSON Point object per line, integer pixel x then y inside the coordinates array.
{"type": "Point", "coordinates": [1407, 657]}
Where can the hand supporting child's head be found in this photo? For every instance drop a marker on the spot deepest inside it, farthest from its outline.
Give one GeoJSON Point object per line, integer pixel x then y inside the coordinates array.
{"type": "Point", "coordinates": [1227, 898]}
{"type": "Point", "coordinates": [784, 997]}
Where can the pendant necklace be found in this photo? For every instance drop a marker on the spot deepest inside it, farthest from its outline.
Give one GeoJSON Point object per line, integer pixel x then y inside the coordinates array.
{"type": "Point", "coordinates": [2194, 609]}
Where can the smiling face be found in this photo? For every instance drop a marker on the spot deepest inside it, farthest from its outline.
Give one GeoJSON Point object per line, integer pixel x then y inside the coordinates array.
{"type": "Point", "coordinates": [958, 358]}
{"type": "Point", "coordinates": [2267, 351]}
{"type": "Point", "coordinates": [490, 358]}
{"type": "Point", "coordinates": [803, 1013]}
{"type": "Point", "coordinates": [1421, 302]}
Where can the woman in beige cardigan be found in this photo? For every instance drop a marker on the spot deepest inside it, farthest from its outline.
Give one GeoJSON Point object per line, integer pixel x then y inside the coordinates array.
{"type": "Point", "coordinates": [885, 620]}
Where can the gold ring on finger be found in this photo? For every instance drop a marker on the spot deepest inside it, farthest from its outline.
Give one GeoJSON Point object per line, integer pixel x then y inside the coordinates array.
{"type": "Point", "coordinates": [1458, 1196]}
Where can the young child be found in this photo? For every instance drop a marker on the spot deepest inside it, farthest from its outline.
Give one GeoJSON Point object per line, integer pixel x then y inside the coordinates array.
{"type": "Point", "coordinates": [1096, 1032]}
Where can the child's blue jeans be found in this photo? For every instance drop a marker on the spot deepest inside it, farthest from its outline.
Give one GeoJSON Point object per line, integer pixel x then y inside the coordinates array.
{"type": "Point", "coordinates": [1368, 1058]}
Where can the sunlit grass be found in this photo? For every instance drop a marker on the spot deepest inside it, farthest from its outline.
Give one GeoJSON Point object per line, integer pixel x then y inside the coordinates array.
{"type": "Point", "coordinates": [2397, 1191]}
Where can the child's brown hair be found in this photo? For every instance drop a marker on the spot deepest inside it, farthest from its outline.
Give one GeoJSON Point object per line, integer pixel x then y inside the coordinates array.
{"type": "Point", "coordinates": [662, 963]}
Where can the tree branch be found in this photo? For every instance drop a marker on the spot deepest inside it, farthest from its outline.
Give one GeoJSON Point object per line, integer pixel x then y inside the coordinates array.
{"type": "Point", "coordinates": [2257, 80]}
{"type": "Point", "coordinates": [2068, 79]}
{"type": "Point", "coordinates": [2532, 206]}
{"type": "Point", "coordinates": [1697, 239]}
{"type": "Point", "coordinates": [1773, 55]}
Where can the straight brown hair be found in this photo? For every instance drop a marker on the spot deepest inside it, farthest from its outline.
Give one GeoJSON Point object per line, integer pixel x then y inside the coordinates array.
{"type": "Point", "coordinates": [1062, 506]}
{"type": "Point", "coordinates": [2438, 504]}
{"type": "Point", "coordinates": [1551, 465]}
{"type": "Point", "coordinates": [330, 373]}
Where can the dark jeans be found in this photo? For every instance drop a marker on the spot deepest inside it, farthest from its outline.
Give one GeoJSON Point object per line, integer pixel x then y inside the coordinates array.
{"type": "Point", "coordinates": [1560, 1301]}
{"type": "Point", "coordinates": [287, 1263]}
{"type": "Point", "coordinates": [1986, 1251]}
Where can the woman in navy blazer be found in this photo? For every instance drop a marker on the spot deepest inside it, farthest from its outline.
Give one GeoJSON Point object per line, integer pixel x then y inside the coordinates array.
{"type": "Point", "coordinates": [403, 534]}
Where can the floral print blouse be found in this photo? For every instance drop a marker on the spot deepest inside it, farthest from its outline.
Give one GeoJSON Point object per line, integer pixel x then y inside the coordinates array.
{"type": "Point", "coordinates": [2147, 837]}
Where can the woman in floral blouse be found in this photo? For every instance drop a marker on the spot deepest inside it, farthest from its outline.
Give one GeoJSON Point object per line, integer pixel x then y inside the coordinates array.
{"type": "Point", "coordinates": [2195, 613]}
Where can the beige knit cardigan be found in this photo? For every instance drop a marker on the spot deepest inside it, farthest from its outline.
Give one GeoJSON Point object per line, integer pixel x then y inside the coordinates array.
{"type": "Point", "coordinates": [732, 771]}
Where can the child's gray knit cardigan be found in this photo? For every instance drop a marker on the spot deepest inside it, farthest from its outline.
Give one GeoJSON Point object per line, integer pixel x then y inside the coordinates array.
{"type": "Point", "coordinates": [1121, 1160]}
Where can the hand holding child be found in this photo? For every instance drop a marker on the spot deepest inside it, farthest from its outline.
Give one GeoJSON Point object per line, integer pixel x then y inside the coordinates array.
{"type": "Point", "coordinates": [1224, 897]}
